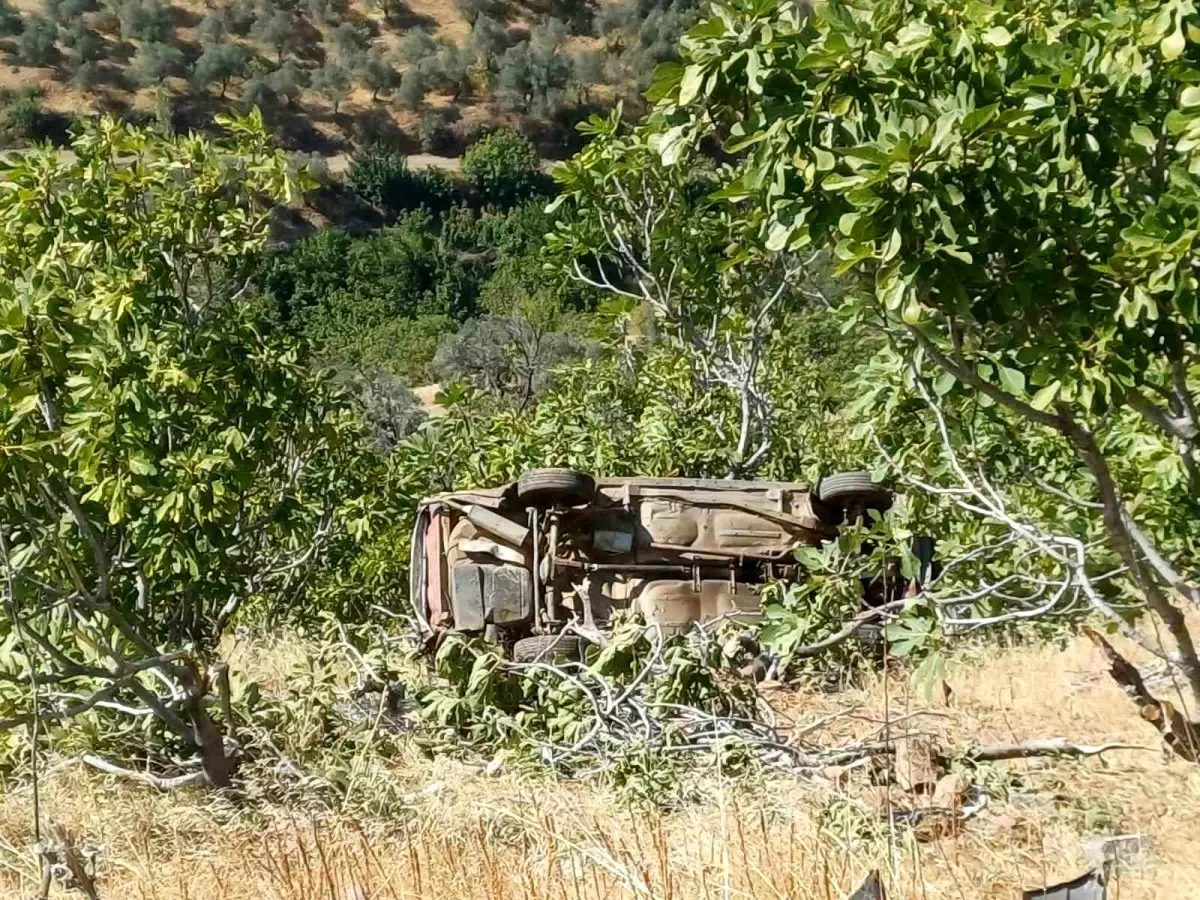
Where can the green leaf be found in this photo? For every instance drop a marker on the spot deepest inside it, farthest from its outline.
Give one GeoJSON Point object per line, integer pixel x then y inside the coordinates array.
{"type": "Point", "coordinates": [1012, 380]}
{"type": "Point", "coordinates": [1190, 96]}
{"type": "Point", "coordinates": [1044, 397]}
{"type": "Point", "coordinates": [690, 84]}
{"type": "Point", "coordinates": [998, 36]}
{"type": "Point", "coordinates": [1172, 45]}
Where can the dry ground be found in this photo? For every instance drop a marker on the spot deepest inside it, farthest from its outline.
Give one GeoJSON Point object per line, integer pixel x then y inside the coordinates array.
{"type": "Point", "coordinates": [461, 834]}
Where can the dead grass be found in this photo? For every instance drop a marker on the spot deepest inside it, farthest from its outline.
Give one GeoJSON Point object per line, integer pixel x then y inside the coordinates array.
{"type": "Point", "coordinates": [461, 834]}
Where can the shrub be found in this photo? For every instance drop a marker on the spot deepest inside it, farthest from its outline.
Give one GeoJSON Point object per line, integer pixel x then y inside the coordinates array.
{"type": "Point", "coordinates": [381, 176]}
{"type": "Point", "coordinates": [434, 131]}
{"type": "Point", "coordinates": [503, 169]}
{"type": "Point", "coordinates": [157, 61]}
{"type": "Point", "coordinates": [333, 83]}
{"type": "Point", "coordinates": [146, 20]}
{"type": "Point", "coordinates": [10, 19]}
{"type": "Point", "coordinates": [219, 63]}
{"type": "Point", "coordinates": [411, 93]}
{"type": "Point", "coordinates": [35, 46]}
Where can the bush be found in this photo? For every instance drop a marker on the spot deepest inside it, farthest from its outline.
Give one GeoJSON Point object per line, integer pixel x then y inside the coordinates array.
{"type": "Point", "coordinates": [434, 132]}
{"type": "Point", "coordinates": [411, 93]}
{"type": "Point", "coordinates": [87, 76]}
{"type": "Point", "coordinates": [503, 169]}
{"type": "Point", "coordinates": [35, 46]}
{"type": "Point", "coordinates": [146, 20]}
{"type": "Point", "coordinates": [10, 19]}
{"type": "Point", "coordinates": [219, 63]}
{"type": "Point", "coordinates": [157, 61]}
{"type": "Point", "coordinates": [333, 82]}
{"type": "Point", "coordinates": [64, 12]}
{"type": "Point", "coordinates": [381, 176]}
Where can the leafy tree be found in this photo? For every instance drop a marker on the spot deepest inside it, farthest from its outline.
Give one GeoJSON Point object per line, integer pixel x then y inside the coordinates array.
{"type": "Point", "coordinates": [146, 20]}
{"type": "Point", "coordinates": [489, 39]}
{"type": "Point", "coordinates": [350, 39]}
{"type": "Point", "coordinates": [509, 357]}
{"type": "Point", "coordinates": [240, 16]}
{"type": "Point", "coordinates": [1026, 255]}
{"type": "Point", "coordinates": [534, 74]}
{"type": "Point", "coordinates": [410, 95]}
{"type": "Point", "coordinates": [382, 177]}
{"type": "Point", "coordinates": [503, 168]}
{"type": "Point", "coordinates": [158, 61]}
{"type": "Point", "coordinates": [472, 10]}
{"type": "Point", "coordinates": [276, 30]}
{"type": "Point", "coordinates": [288, 81]}
{"type": "Point", "coordinates": [332, 81]}
{"type": "Point", "coordinates": [36, 45]}
{"type": "Point", "coordinates": [89, 47]}
{"type": "Point", "coordinates": [65, 12]}
{"type": "Point", "coordinates": [257, 92]}
{"type": "Point", "coordinates": [219, 63]}
{"type": "Point", "coordinates": [10, 19]}
{"type": "Point", "coordinates": [390, 410]}
{"type": "Point", "coordinates": [377, 73]}
{"type": "Point", "coordinates": [195, 457]}
{"type": "Point", "coordinates": [434, 131]}
{"type": "Point", "coordinates": [213, 28]}
{"type": "Point", "coordinates": [416, 46]}
{"type": "Point", "coordinates": [87, 76]}
{"type": "Point", "coordinates": [587, 71]}
{"type": "Point", "coordinates": [448, 70]}
{"type": "Point", "coordinates": [326, 12]}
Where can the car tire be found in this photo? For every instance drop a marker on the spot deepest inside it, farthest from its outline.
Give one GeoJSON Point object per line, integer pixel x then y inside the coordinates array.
{"type": "Point", "coordinates": [555, 487]}
{"type": "Point", "coordinates": [853, 489]}
{"type": "Point", "coordinates": [549, 648]}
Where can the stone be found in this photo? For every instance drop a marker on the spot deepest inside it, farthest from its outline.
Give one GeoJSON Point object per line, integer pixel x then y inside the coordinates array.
{"type": "Point", "coordinates": [1116, 849]}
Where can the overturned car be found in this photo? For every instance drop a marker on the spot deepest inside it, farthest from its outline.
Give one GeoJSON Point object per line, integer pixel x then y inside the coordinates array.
{"type": "Point", "coordinates": [517, 563]}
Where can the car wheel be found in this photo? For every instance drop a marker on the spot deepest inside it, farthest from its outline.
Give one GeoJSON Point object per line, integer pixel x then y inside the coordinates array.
{"type": "Point", "coordinates": [849, 489]}
{"type": "Point", "coordinates": [552, 487]}
{"type": "Point", "coordinates": [548, 648]}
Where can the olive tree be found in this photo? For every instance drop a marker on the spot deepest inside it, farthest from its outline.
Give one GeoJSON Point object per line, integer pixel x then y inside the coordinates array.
{"type": "Point", "coordinates": [1010, 191]}
{"type": "Point", "coordinates": [166, 459]}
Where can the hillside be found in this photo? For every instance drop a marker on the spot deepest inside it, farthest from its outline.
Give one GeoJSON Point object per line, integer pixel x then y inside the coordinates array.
{"type": "Point", "coordinates": [423, 77]}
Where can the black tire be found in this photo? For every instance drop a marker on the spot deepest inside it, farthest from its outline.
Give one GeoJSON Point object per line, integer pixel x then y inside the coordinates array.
{"type": "Point", "coordinates": [854, 489]}
{"type": "Point", "coordinates": [550, 487]}
{"type": "Point", "coordinates": [548, 648]}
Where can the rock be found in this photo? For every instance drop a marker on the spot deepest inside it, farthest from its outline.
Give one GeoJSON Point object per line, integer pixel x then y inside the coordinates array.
{"type": "Point", "coordinates": [1116, 849]}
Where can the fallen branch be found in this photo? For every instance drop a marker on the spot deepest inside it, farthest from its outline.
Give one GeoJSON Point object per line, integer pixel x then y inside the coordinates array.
{"type": "Point", "coordinates": [1046, 747]}
{"type": "Point", "coordinates": [1182, 736]}
{"type": "Point", "coordinates": [162, 783]}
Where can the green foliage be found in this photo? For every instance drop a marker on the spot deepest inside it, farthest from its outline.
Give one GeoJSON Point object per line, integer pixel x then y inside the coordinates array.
{"type": "Point", "coordinates": [502, 168]}
{"type": "Point", "coordinates": [35, 46]}
{"type": "Point", "coordinates": [333, 81]}
{"type": "Point", "coordinates": [483, 707]}
{"type": "Point", "coordinates": [146, 20]}
{"type": "Point", "coordinates": [157, 61]}
{"type": "Point", "coordinates": [170, 453]}
{"type": "Point", "coordinates": [10, 19]}
{"type": "Point", "coordinates": [219, 63]}
{"type": "Point", "coordinates": [381, 176]}
{"type": "Point", "coordinates": [275, 29]}
{"type": "Point", "coordinates": [377, 73]}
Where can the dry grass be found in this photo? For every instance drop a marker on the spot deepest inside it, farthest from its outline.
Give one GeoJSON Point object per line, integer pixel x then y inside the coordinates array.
{"type": "Point", "coordinates": [510, 837]}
